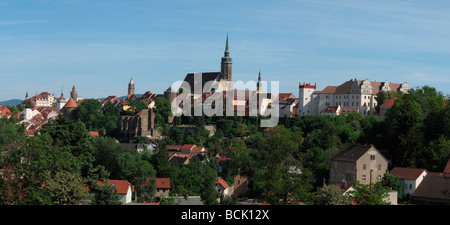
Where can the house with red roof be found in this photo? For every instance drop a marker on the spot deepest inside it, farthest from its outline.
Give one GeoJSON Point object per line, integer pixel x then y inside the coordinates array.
{"type": "Point", "coordinates": [5, 112]}
{"type": "Point", "coordinates": [223, 188]}
{"type": "Point", "coordinates": [410, 179]}
{"type": "Point", "coordinates": [123, 188]}
{"type": "Point", "coordinates": [386, 106]}
{"type": "Point", "coordinates": [162, 187]}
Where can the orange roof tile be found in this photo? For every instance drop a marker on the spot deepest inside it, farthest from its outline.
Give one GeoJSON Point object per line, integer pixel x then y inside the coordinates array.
{"type": "Point", "coordinates": [389, 103]}
{"type": "Point", "coordinates": [94, 133]}
{"type": "Point", "coordinates": [121, 186]}
{"type": "Point", "coordinates": [162, 182]}
{"type": "Point", "coordinates": [407, 173]}
{"type": "Point", "coordinates": [70, 104]}
{"type": "Point", "coordinates": [222, 182]}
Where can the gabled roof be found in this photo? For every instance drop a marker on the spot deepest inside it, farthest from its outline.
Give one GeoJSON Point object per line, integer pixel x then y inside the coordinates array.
{"type": "Point", "coordinates": [222, 182]}
{"type": "Point", "coordinates": [94, 133]}
{"type": "Point", "coordinates": [120, 186]}
{"type": "Point", "coordinates": [352, 152]}
{"type": "Point", "coordinates": [407, 173]}
{"type": "Point", "coordinates": [434, 187]}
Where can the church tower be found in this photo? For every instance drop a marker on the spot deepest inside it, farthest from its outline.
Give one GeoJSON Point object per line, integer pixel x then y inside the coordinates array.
{"type": "Point", "coordinates": [259, 84]}
{"type": "Point", "coordinates": [131, 87]}
{"type": "Point", "coordinates": [226, 65]}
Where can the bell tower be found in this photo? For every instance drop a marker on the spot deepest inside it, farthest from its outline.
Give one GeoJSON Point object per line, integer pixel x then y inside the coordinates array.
{"type": "Point", "coordinates": [226, 65]}
{"type": "Point", "coordinates": [131, 87]}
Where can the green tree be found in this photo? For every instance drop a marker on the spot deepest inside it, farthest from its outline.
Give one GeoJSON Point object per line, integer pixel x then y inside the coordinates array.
{"type": "Point", "coordinates": [74, 138]}
{"type": "Point", "coordinates": [103, 194]}
{"type": "Point", "coordinates": [384, 96]}
{"type": "Point", "coordinates": [330, 195]}
{"type": "Point", "coordinates": [392, 182]}
{"type": "Point", "coordinates": [65, 188]}
{"type": "Point", "coordinates": [136, 105]}
{"type": "Point", "coordinates": [369, 194]}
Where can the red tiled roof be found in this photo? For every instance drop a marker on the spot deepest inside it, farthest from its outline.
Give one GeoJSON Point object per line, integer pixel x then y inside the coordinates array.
{"type": "Point", "coordinates": [187, 146]}
{"type": "Point", "coordinates": [70, 104]}
{"type": "Point", "coordinates": [407, 173]}
{"type": "Point", "coordinates": [173, 147]}
{"type": "Point", "coordinates": [121, 186]}
{"type": "Point", "coordinates": [222, 182]}
{"type": "Point", "coordinates": [163, 183]}
{"type": "Point", "coordinates": [389, 103]}
{"type": "Point", "coordinates": [94, 133]}
{"type": "Point", "coordinates": [198, 149]}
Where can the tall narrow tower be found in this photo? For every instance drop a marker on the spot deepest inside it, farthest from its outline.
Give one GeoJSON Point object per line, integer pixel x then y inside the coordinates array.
{"type": "Point", "coordinates": [259, 84]}
{"type": "Point", "coordinates": [226, 65]}
{"type": "Point", "coordinates": [131, 87]}
{"type": "Point", "coordinates": [74, 94]}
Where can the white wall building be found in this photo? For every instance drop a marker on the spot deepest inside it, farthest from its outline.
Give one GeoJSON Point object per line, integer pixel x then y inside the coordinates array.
{"type": "Point", "coordinates": [351, 94]}
{"type": "Point", "coordinates": [410, 178]}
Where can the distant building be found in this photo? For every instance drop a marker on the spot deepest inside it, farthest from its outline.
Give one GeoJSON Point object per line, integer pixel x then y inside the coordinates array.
{"type": "Point", "coordinates": [434, 188]}
{"type": "Point", "coordinates": [357, 162]}
{"type": "Point", "coordinates": [360, 94]}
{"type": "Point", "coordinates": [410, 179]}
{"type": "Point", "coordinates": [141, 124]}
{"type": "Point", "coordinates": [43, 99]}
{"type": "Point", "coordinates": [386, 106]}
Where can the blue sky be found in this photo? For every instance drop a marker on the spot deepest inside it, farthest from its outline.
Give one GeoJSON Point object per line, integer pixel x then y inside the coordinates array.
{"type": "Point", "coordinates": [98, 45]}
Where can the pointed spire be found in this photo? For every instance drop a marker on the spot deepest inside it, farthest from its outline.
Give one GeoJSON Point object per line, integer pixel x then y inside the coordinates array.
{"type": "Point", "coordinates": [26, 96]}
{"type": "Point", "coordinates": [227, 50]}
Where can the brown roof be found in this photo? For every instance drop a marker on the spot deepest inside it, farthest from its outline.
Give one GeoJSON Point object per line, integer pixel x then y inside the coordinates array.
{"type": "Point", "coordinates": [351, 152]}
{"type": "Point", "coordinates": [407, 173]}
{"type": "Point", "coordinates": [346, 87]}
{"type": "Point", "coordinates": [446, 172]}
{"type": "Point", "coordinates": [70, 104]}
{"type": "Point", "coordinates": [330, 109]}
{"type": "Point", "coordinates": [348, 110]}
{"type": "Point", "coordinates": [434, 187]}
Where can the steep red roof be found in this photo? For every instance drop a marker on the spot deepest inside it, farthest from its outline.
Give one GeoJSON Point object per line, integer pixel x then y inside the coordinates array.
{"type": "Point", "coordinates": [120, 186]}
{"type": "Point", "coordinates": [70, 104]}
{"type": "Point", "coordinates": [407, 173]}
{"type": "Point", "coordinates": [222, 182]}
{"type": "Point", "coordinates": [94, 133]}
{"type": "Point", "coordinates": [389, 103]}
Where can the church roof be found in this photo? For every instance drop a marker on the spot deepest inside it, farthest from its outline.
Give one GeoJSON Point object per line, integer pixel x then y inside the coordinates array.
{"type": "Point", "coordinates": [70, 104]}
{"type": "Point", "coordinates": [203, 77]}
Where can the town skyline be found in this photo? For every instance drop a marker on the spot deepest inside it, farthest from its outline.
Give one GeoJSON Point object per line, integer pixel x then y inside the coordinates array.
{"type": "Point", "coordinates": [99, 46]}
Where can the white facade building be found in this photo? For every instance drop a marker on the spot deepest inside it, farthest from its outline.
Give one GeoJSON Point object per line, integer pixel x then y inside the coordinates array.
{"type": "Point", "coordinates": [357, 94]}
